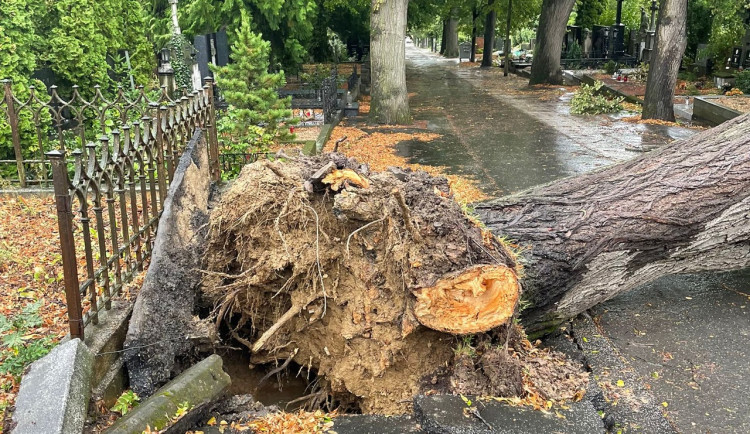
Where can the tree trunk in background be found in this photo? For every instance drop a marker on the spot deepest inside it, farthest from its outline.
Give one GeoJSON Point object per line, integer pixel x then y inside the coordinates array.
{"type": "Point", "coordinates": [390, 103]}
{"type": "Point", "coordinates": [489, 34]}
{"type": "Point", "coordinates": [451, 45]}
{"type": "Point", "coordinates": [507, 46]}
{"type": "Point", "coordinates": [684, 208]}
{"type": "Point", "coordinates": [671, 39]}
{"type": "Point", "coordinates": [444, 37]}
{"type": "Point", "coordinates": [474, 16]}
{"type": "Point", "coordinates": [549, 39]}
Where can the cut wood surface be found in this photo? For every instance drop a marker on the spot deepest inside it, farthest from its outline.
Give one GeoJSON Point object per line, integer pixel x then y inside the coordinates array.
{"type": "Point", "coordinates": [474, 301]}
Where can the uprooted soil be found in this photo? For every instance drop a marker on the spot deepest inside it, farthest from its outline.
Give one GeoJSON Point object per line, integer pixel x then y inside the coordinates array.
{"type": "Point", "coordinates": [324, 274]}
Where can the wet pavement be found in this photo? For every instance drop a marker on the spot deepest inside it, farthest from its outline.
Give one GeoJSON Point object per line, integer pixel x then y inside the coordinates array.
{"type": "Point", "coordinates": [511, 142]}
{"type": "Point", "coordinates": [668, 357]}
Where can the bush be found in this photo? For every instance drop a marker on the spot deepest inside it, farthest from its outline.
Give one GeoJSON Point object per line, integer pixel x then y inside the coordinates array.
{"type": "Point", "coordinates": [588, 100]}
{"type": "Point", "coordinates": [742, 81]}
{"type": "Point", "coordinates": [610, 67]}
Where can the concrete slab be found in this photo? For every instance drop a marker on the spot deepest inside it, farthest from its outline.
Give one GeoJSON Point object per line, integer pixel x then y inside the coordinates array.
{"type": "Point", "coordinates": [54, 394]}
{"type": "Point", "coordinates": [203, 383]}
{"type": "Point", "coordinates": [445, 414]}
{"type": "Point", "coordinates": [375, 424]}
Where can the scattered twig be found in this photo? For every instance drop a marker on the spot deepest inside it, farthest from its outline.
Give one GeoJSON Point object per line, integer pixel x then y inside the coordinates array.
{"type": "Point", "coordinates": [338, 142]}
{"type": "Point", "coordinates": [475, 412]}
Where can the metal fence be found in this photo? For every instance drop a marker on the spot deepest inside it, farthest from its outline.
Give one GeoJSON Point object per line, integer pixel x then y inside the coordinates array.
{"type": "Point", "coordinates": [108, 212]}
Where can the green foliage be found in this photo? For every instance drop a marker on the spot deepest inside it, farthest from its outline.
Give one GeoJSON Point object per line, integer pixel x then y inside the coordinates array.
{"type": "Point", "coordinates": [126, 402]}
{"type": "Point", "coordinates": [255, 110]}
{"type": "Point", "coordinates": [610, 67]}
{"type": "Point", "coordinates": [19, 348]}
{"type": "Point", "coordinates": [464, 347]}
{"type": "Point", "coordinates": [574, 51]}
{"type": "Point", "coordinates": [181, 60]}
{"type": "Point", "coordinates": [589, 12]}
{"type": "Point", "coordinates": [589, 100]}
{"type": "Point", "coordinates": [286, 23]}
{"type": "Point", "coordinates": [742, 81]}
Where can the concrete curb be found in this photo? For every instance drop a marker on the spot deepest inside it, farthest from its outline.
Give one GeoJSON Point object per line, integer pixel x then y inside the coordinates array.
{"type": "Point", "coordinates": [54, 394]}
{"type": "Point", "coordinates": [325, 132]}
{"type": "Point", "coordinates": [197, 386]}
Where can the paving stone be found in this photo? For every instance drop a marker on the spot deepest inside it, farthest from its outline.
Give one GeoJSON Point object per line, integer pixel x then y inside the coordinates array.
{"type": "Point", "coordinates": [444, 414]}
{"type": "Point", "coordinates": [375, 424]}
{"type": "Point", "coordinates": [203, 383]}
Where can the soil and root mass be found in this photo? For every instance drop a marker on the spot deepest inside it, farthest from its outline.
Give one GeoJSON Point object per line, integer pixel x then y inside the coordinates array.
{"type": "Point", "coordinates": [378, 283]}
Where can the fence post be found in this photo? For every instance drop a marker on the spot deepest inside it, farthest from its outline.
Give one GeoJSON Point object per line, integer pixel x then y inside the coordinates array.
{"type": "Point", "coordinates": [213, 140]}
{"type": "Point", "coordinates": [67, 244]}
{"type": "Point", "coordinates": [15, 134]}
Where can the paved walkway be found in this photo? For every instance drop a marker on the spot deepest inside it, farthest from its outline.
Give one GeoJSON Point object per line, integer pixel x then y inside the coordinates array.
{"type": "Point", "coordinates": [679, 345]}
{"type": "Point", "coordinates": [512, 142]}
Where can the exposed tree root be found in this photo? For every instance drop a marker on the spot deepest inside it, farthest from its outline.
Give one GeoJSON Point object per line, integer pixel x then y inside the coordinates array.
{"type": "Point", "coordinates": [369, 274]}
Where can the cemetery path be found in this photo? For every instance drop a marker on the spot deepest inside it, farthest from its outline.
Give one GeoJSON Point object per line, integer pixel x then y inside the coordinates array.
{"type": "Point", "coordinates": [508, 138]}
{"type": "Point", "coordinates": [673, 353]}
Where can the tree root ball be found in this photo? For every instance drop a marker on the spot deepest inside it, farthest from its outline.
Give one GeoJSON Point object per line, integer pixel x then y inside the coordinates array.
{"type": "Point", "coordinates": [363, 278]}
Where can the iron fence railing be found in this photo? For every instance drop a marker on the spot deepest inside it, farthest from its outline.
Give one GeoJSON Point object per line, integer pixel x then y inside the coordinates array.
{"type": "Point", "coordinates": [108, 212]}
{"type": "Point", "coordinates": [33, 123]}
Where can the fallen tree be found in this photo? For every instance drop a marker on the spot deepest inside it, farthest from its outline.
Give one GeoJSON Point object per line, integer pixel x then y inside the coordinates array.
{"type": "Point", "coordinates": [363, 280]}
{"type": "Point", "coordinates": [684, 208]}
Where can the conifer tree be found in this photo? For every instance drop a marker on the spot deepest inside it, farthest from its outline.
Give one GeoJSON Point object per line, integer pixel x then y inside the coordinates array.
{"type": "Point", "coordinates": [255, 110]}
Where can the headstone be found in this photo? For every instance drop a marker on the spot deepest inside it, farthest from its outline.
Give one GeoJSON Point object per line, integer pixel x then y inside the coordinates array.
{"type": "Point", "coordinates": [587, 43]}
{"type": "Point", "coordinates": [600, 41]}
{"type": "Point", "coordinates": [464, 51]}
{"type": "Point", "coordinates": [701, 59]}
{"type": "Point", "coordinates": [213, 49]}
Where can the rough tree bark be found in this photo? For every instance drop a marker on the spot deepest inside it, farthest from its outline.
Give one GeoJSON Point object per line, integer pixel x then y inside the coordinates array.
{"type": "Point", "coordinates": [549, 39]}
{"type": "Point", "coordinates": [671, 40]}
{"type": "Point", "coordinates": [444, 37]}
{"type": "Point", "coordinates": [451, 33]}
{"type": "Point", "coordinates": [474, 16]}
{"type": "Point", "coordinates": [489, 34]}
{"type": "Point", "coordinates": [507, 46]}
{"type": "Point", "coordinates": [390, 104]}
{"type": "Point", "coordinates": [682, 209]}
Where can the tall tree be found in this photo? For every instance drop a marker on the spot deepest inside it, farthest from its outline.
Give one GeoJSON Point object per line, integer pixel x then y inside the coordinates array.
{"type": "Point", "coordinates": [390, 103]}
{"type": "Point", "coordinates": [507, 46]}
{"type": "Point", "coordinates": [252, 93]}
{"type": "Point", "coordinates": [671, 39]}
{"type": "Point", "coordinates": [474, 17]}
{"type": "Point", "coordinates": [589, 12]}
{"type": "Point", "coordinates": [489, 34]}
{"type": "Point", "coordinates": [444, 37]}
{"type": "Point", "coordinates": [549, 39]}
{"type": "Point", "coordinates": [451, 34]}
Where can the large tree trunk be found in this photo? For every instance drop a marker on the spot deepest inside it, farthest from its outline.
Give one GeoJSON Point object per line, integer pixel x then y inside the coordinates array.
{"type": "Point", "coordinates": [549, 39]}
{"type": "Point", "coordinates": [682, 209]}
{"type": "Point", "coordinates": [390, 104]}
{"type": "Point", "coordinates": [671, 39]}
{"type": "Point", "coordinates": [444, 37]}
{"type": "Point", "coordinates": [474, 16]}
{"type": "Point", "coordinates": [507, 45]}
{"type": "Point", "coordinates": [451, 33]}
{"type": "Point", "coordinates": [489, 34]}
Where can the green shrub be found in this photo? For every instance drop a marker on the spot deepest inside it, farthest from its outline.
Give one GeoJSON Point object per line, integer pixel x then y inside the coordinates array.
{"type": "Point", "coordinates": [588, 100]}
{"type": "Point", "coordinates": [610, 67]}
{"type": "Point", "coordinates": [742, 81]}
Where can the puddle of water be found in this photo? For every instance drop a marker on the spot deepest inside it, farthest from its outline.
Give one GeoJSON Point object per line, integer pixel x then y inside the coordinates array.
{"type": "Point", "coordinates": [245, 380]}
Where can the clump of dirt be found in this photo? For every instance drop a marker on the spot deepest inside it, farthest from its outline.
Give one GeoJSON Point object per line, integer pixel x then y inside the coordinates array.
{"type": "Point", "coordinates": [318, 261]}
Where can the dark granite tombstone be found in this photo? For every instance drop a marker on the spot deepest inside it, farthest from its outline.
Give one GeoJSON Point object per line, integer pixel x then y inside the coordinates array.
{"type": "Point", "coordinates": [213, 49]}
{"type": "Point", "coordinates": [600, 41]}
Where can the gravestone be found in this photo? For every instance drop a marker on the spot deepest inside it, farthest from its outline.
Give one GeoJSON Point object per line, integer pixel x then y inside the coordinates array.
{"type": "Point", "coordinates": [587, 43]}
{"type": "Point", "coordinates": [464, 51]}
{"type": "Point", "coordinates": [213, 49]}
{"type": "Point", "coordinates": [600, 42]}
